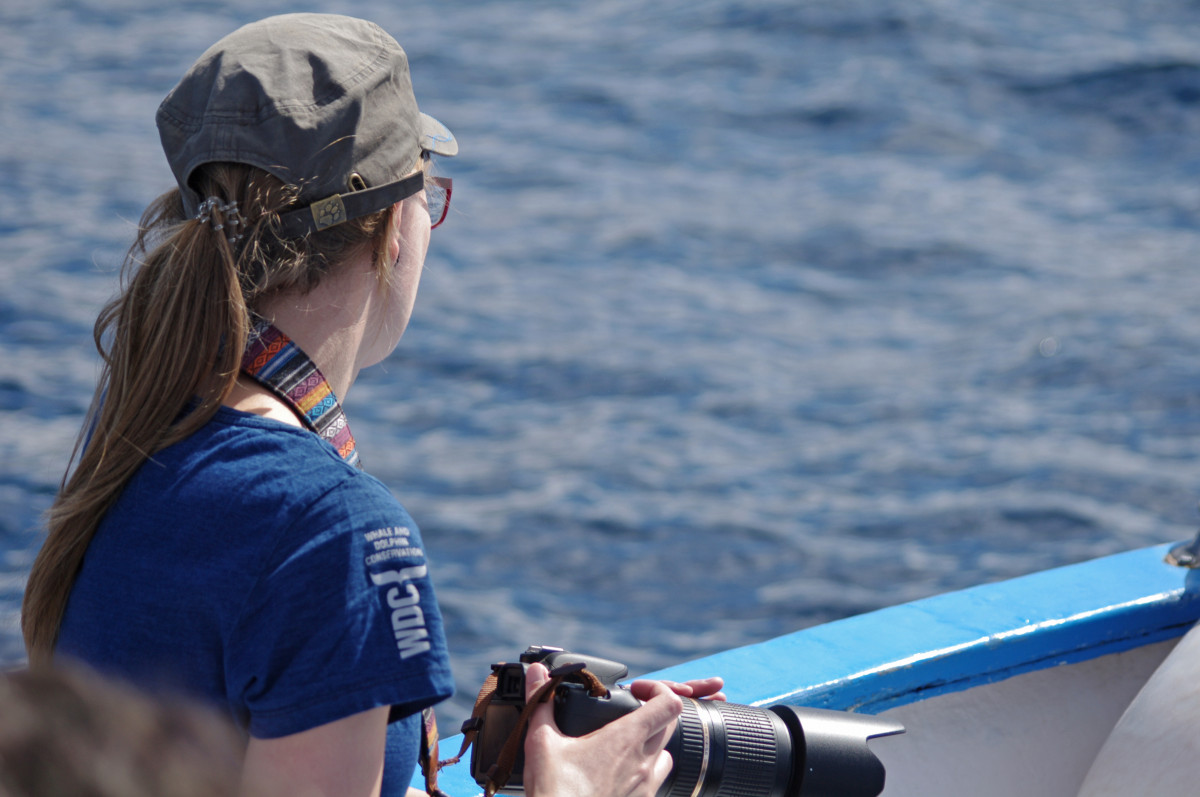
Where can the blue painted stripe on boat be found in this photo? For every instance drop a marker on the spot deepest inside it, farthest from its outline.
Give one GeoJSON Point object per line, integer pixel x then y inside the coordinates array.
{"type": "Point", "coordinates": [951, 642]}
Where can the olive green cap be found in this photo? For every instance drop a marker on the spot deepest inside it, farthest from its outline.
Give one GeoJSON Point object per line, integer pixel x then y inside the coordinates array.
{"type": "Point", "coordinates": [323, 102]}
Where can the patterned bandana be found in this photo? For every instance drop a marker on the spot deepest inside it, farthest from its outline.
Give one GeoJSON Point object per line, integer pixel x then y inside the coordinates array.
{"type": "Point", "coordinates": [278, 364]}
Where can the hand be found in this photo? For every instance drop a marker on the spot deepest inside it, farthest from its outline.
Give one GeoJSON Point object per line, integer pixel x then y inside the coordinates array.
{"type": "Point", "coordinates": [624, 758]}
{"type": "Point", "coordinates": [706, 688]}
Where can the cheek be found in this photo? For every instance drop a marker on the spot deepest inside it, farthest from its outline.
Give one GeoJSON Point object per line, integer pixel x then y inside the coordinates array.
{"type": "Point", "coordinates": [404, 281]}
{"type": "Point", "coordinates": [409, 260]}
{"type": "Point", "coordinates": [404, 289]}
{"type": "Point", "coordinates": [416, 231]}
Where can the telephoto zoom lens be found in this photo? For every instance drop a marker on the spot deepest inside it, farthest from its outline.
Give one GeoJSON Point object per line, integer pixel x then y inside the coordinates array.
{"type": "Point", "coordinates": [728, 750]}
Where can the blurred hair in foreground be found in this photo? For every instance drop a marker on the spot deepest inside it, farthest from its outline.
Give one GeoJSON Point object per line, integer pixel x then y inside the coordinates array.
{"type": "Point", "coordinates": [68, 731]}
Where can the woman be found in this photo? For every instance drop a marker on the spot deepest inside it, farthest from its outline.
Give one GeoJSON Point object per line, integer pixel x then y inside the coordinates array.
{"type": "Point", "coordinates": [216, 535]}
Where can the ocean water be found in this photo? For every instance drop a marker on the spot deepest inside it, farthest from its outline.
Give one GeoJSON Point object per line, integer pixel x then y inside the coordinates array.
{"type": "Point", "coordinates": [748, 315]}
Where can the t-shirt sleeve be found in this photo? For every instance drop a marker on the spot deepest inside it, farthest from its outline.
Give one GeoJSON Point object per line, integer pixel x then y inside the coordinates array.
{"type": "Point", "coordinates": [342, 619]}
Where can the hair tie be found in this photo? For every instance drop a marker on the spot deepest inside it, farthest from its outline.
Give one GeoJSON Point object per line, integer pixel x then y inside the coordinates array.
{"type": "Point", "coordinates": [229, 215]}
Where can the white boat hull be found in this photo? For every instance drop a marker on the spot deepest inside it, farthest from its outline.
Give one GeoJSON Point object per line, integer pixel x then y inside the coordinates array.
{"type": "Point", "coordinates": [1033, 735]}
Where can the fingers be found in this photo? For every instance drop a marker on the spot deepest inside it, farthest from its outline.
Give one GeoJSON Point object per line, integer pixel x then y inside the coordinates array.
{"type": "Point", "coordinates": [663, 765]}
{"type": "Point", "coordinates": [657, 716]}
{"type": "Point", "coordinates": [709, 688]}
{"type": "Point", "coordinates": [542, 719]}
{"type": "Point", "coordinates": [535, 676]}
{"type": "Point", "coordinates": [656, 743]}
{"type": "Point", "coordinates": [623, 758]}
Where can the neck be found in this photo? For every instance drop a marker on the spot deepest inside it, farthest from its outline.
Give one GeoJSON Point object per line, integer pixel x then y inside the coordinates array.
{"type": "Point", "coordinates": [329, 324]}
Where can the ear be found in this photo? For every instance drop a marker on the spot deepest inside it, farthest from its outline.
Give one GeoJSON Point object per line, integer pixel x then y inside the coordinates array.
{"type": "Point", "coordinates": [394, 238]}
{"type": "Point", "coordinates": [387, 241]}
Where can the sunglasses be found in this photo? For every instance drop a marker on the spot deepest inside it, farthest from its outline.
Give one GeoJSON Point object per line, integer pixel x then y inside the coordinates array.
{"type": "Point", "coordinates": [437, 195]}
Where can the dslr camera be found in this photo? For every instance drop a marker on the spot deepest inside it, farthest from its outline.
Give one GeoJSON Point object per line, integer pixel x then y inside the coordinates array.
{"type": "Point", "coordinates": [719, 749]}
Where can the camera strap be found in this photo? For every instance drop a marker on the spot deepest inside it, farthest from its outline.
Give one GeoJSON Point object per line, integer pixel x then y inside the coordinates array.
{"type": "Point", "coordinates": [428, 757]}
{"type": "Point", "coordinates": [498, 775]}
{"type": "Point", "coordinates": [274, 361]}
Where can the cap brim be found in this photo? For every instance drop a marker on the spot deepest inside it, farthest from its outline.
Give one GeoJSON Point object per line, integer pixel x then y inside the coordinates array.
{"type": "Point", "coordinates": [436, 137]}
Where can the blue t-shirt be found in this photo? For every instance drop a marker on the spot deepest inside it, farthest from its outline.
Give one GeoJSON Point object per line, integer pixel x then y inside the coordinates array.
{"type": "Point", "coordinates": [250, 566]}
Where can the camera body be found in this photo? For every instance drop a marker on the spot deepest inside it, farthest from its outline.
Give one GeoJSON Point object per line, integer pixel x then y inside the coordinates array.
{"type": "Point", "coordinates": [719, 749]}
{"type": "Point", "coordinates": [575, 713]}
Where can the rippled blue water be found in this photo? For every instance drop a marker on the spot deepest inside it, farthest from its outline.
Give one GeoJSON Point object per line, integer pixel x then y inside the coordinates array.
{"type": "Point", "coordinates": [749, 315]}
